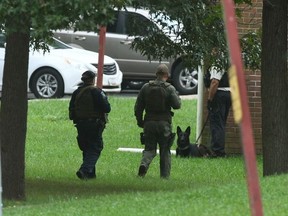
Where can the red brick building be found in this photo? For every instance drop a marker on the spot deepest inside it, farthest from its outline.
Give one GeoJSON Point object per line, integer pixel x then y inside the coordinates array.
{"type": "Point", "coordinates": [251, 20]}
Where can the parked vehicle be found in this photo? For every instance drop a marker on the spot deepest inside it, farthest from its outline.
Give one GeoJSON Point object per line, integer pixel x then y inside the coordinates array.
{"type": "Point", "coordinates": [135, 67]}
{"type": "Point", "coordinates": [58, 72]}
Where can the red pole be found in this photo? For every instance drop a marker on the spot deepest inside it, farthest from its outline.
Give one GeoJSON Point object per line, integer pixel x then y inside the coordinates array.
{"type": "Point", "coordinates": [102, 38]}
{"type": "Point", "coordinates": [240, 107]}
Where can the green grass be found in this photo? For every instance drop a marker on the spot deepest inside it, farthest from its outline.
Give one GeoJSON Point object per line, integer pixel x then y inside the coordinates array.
{"type": "Point", "coordinates": [196, 187]}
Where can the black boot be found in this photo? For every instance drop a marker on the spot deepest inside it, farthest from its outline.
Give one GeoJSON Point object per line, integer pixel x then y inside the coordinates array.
{"type": "Point", "coordinates": [142, 171]}
{"type": "Point", "coordinates": [85, 175]}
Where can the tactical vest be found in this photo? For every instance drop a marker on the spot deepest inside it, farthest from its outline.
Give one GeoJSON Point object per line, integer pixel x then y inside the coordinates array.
{"type": "Point", "coordinates": [84, 104]}
{"type": "Point", "coordinates": [156, 97]}
{"type": "Point", "coordinates": [206, 78]}
{"type": "Point", "coordinates": [224, 82]}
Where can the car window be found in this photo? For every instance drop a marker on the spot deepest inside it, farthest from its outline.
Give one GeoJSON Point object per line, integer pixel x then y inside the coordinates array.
{"type": "Point", "coordinates": [118, 26]}
{"type": "Point", "coordinates": [112, 27]}
{"type": "Point", "coordinates": [130, 23]}
{"type": "Point", "coordinates": [2, 41]}
{"type": "Point", "coordinates": [137, 24]}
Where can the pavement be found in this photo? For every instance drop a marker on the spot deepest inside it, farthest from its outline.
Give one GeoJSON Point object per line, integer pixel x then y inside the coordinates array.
{"type": "Point", "coordinates": [124, 93]}
{"type": "Point", "coordinates": [188, 97]}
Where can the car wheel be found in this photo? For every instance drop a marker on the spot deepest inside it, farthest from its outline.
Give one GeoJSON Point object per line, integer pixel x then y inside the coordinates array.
{"type": "Point", "coordinates": [136, 85]}
{"type": "Point", "coordinates": [185, 80]}
{"type": "Point", "coordinates": [47, 83]}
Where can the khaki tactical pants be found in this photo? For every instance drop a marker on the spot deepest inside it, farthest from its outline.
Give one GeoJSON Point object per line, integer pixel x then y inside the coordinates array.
{"type": "Point", "coordinates": [157, 132]}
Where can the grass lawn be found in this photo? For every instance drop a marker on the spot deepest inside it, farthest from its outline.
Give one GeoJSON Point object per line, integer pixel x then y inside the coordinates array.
{"type": "Point", "coordinates": [197, 186]}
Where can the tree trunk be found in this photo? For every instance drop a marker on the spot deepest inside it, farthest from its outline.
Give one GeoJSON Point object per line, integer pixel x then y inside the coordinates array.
{"type": "Point", "coordinates": [14, 115]}
{"type": "Point", "coordinates": [274, 91]}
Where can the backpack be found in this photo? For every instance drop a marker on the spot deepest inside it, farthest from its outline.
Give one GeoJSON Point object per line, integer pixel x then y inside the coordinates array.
{"type": "Point", "coordinates": [156, 97]}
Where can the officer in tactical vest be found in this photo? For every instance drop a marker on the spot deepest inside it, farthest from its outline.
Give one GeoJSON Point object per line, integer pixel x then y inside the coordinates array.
{"type": "Point", "coordinates": [88, 109]}
{"type": "Point", "coordinates": [157, 98]}
{"type": "Point", "coordinates": [219, 103]}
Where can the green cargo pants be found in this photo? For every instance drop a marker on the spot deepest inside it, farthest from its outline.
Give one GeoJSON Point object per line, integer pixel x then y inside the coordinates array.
{"type": "Point", "coordinates": [157, 132]}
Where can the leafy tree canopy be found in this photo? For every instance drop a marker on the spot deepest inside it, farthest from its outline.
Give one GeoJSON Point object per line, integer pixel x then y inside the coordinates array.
{"type": "Point", "coordinates": [198, 32]}
{"type": "Point", "coordinates": [197, 26]}
{"type": "Point", "coordinates": [44, 16]}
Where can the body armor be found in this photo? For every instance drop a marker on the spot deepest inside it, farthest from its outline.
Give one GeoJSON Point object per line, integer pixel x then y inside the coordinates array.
{"type": "Point", "coordinates": [84, 104]}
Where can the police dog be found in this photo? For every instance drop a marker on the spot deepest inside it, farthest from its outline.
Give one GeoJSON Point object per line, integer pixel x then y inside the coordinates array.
{"type": "Point", "coordinates": [186, 149]}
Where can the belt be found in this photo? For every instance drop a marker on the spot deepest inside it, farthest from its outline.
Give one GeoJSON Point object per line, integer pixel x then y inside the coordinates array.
{"type": "Point", "coordinates": [223, 88]}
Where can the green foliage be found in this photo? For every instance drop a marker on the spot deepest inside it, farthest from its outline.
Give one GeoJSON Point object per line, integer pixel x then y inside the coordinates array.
{"type": "Point", "coordinates": [197, 27]}
{"type": "Point", "coordinates": [251, 49]}
{"type": "Point", "coordinates": [45, 16]}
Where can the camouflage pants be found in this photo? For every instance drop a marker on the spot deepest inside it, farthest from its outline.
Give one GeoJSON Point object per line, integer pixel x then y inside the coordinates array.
{"type": "Point", "coordinates": [157, 132]}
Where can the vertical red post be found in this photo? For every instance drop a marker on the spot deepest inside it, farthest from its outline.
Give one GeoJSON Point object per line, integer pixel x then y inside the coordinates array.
{"type": "Point", "coordinates": [240, 107]}
{"type": "Point", "coordinates": [102, 37]}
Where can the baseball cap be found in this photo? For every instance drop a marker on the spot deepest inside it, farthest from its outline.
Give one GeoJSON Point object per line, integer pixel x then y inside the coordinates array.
{"type": "Point", "coordinates": [162, 69]}
{"type": "Point", "coordinates": [87, 75]}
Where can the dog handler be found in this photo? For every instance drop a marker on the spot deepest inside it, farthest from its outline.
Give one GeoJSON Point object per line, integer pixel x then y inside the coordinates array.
{"type": "Point", "coordinates": [218, 104]}
{"type": "Point", "coordinates": [157, 98]}
{"type": "Point", "coordinates": [88, 109]}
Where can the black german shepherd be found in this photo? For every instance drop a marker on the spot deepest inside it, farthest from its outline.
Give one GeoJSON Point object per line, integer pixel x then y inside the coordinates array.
{"type": "Point", "coordinates": [186, 149]}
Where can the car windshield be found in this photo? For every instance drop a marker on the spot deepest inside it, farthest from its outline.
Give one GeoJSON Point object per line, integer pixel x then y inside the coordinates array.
{"type": "Point", "coordinates": [56, 44]}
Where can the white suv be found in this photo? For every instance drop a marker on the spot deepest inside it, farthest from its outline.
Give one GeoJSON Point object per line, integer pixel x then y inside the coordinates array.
{"type": "Point", "coordinates": [134, 65]}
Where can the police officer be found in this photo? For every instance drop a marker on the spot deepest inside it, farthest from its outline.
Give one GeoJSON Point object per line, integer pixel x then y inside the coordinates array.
{"type": "Point", "coordinates": [219, 103]}
{"type": "Point", "coordinates": [88, 109]}
{"type": "Point", "coordinates": [157, 98]}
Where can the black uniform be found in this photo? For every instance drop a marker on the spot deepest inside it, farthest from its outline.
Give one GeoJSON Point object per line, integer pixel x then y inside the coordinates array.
{"type": "Point", "coordinates": [219, 113]}
{"type": "Point", "coordinates": [88, 109]}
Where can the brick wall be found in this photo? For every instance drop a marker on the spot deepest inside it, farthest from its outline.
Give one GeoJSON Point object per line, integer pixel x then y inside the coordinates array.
{"type": "Point", "coordinates": [251, 20]}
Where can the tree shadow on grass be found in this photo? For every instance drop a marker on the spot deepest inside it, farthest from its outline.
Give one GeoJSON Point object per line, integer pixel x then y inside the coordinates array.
{"type": "Point", "coordinates": [39, 190]}
{"type": "Point", "coordinates": [187, 175]}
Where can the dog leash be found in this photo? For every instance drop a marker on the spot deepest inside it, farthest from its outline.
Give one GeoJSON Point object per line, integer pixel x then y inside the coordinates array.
{"type": "Point", "coordinates": [202, 129]}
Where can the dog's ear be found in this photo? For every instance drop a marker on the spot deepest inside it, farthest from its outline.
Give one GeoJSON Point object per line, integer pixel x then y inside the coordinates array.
{"type": "Point", "coordinates": [188, 130]}
{"type": "Point", "coordinates": [178, 129]}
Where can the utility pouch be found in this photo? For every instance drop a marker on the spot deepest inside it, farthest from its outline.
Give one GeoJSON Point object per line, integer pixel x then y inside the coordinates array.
{"type": "Point", "coordinates": [142, 138]}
